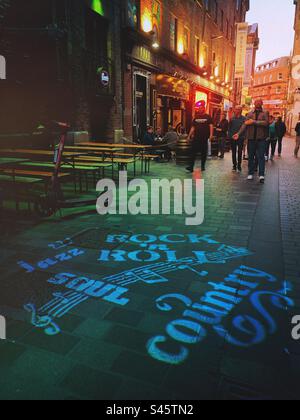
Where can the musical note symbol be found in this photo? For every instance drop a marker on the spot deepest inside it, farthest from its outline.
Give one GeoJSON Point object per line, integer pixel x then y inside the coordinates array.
{"type": "Point", "coordinates": [64, 300]}
{"type": "Point", "coordinates": [43, 322]}
{"type": "Point", "coordinates": [151, 277]}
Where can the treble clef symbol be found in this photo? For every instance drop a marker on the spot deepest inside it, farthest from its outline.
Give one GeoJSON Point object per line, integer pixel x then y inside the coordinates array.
{"type": "Point", "coordinates": [43, 322]}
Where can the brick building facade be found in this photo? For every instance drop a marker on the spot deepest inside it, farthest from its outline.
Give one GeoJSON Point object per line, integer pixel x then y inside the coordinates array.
{"type": "Point", "coordinates": [107, 65]}
{"type": "Point", "coordinates": [177, 52]}
{"type": "Point", "coordinates": [271, 82]}
{"type": "Point", "coordinates": [63, 63]}
{"type": "Point", "coordinates": [294, 88]}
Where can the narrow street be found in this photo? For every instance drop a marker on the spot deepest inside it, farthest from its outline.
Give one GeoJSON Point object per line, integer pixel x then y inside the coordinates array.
{"type": "Point", "coordinates": [169, 323]}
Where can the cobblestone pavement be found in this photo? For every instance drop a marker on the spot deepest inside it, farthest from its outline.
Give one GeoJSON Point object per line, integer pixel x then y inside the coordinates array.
{"type": "Point", "coordinates": [82, 325]}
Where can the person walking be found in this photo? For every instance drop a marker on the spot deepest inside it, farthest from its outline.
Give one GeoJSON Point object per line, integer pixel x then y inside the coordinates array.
{"type": "Point", "coordinates": [256, 127]}
{"type": "Point", "coordinates": [281, 130]}
{"type": "Point", "coordinates": [237, 146]}
{"type": "Point", "coordinates": [297, 139]}
{"type": "Point", "coordinates": [272, 140]}
{"type": "Point", "coordinates": [222, 133]}
{"type": "Point", "coordinates": [201, 131]}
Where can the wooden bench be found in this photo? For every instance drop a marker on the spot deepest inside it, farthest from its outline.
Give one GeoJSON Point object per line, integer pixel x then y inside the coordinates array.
{"type": "Point", "coordinates": [18, 188]}
{"type": "Point", "coordinates": [33, 174]}
{"type": "Point", "coordinates": [78, 169]}
{"type": "Point", "coordinates": [147, 159]}
{"type": "Point", "coordinates": [46, 176]}
{"type": "Point", "coordinates": [122, 162]}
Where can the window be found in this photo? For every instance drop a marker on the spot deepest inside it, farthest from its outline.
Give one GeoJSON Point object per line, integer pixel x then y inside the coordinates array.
{"type": "Point", "coordinates": [222, 20]}
{"type": "Point", "coordinates": [204, 55]}
{"type": "Point", "coordinates": [280, 76]}
{"type": "Point", "coordinates": [186, 40]}
{"type": "Point", "coordinates": [173, 33]}
{"type": "Point", "coordinates": [197, 51]}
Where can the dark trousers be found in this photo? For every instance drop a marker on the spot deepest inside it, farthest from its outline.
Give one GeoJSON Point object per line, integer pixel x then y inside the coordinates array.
{"type": "Point", "coordinates": [222, 146]}
{"type": "Point", "coordinates": [268, 145]}
{"type": "Point", "coordinates": [257, 149]}
{"type": "Point", "coordinates": [199, 147]}
{"type": "Point", "coordinates": [237, 148]}
{"type": "Point", "coordinates": [271, 143]}
{"type": "Point", "coordinates": [280, 140]}
{"type": "Point", "coordinates": [273, 146]}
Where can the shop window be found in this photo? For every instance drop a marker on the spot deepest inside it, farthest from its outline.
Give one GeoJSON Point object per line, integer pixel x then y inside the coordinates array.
{"type": "Point", "coordinates": [132, 14]}
{"type": "Point", "coordinates": [186, 40]}
{"type": "Point", "coordinates": [151, 16]}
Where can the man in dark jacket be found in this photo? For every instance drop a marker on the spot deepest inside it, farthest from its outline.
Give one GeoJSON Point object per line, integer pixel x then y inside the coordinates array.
{"type": "Point", "coordinates": [202, 130]}
{"type": "Point", "coordinates": [256, 127]}
{"type": "Point", "coordinates": [149, 137]}
{"type": "Point", "coordinates": [237, 146]}
{"type": "Point", "coordinates": [222, 133]}
{"type": "Point", "coordinates": [280, 133]}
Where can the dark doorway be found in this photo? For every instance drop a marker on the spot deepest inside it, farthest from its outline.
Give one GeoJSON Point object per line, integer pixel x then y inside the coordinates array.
{"type": "Point", "coordinates": [141, 106]}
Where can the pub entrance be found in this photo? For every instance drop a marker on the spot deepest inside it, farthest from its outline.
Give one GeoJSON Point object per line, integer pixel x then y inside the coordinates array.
{"type": "Point", "coordinates": [141, 108]}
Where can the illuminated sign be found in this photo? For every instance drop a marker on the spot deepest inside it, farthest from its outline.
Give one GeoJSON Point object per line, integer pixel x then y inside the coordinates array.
{"type": "Point", "coordinates": [50, 262]}
{"type": "Point", "coordinates": [114, 288]}
{"type": "Point", "coordinates": [154, 258]}
{"type": "Point", "coordinates": [97, 6]}
{"type": "Point", "coordinates": [104, 76]}
{"type": "Point", "coordinates": [208, 313]}
{"type": "Point", "coordinates": [201, 96]}
{"type": "Point", "coordinates": [241, 49]}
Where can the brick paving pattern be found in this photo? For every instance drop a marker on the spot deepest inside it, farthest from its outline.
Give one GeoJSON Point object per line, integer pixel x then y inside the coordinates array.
{"type": "Point", "coordinates": [101, 351]}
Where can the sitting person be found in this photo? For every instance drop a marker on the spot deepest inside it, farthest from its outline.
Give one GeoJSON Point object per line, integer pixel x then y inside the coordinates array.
{"type": "Point", "coordinates": [171, 139]}
{"type": "Point", "coordinates": [149, 137]}
{"type": "Point", "coordinates": [158, 136]}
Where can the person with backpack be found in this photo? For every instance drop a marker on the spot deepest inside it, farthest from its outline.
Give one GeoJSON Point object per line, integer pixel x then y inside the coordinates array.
{"type": "Point", "coordinates": [281, 130]}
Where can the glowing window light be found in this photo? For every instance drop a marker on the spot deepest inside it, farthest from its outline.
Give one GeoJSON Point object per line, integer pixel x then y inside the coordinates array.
{"type": "Point", "coordinates": [201, 96]}
{"type": "Point", "coordinates": [180, 47]}
{"type": "Point", "coordinates": [147, 24]}
{"type": "Point", "coordinates": [202, 61]}
{"type": "Point", "coordinates": [217, 71]}
{"type": "Point", "coordinates": [97, 7]}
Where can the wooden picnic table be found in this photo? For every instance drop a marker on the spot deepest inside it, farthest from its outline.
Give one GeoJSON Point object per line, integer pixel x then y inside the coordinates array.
{"type": "Point", "coordinates": [127, 146]}
{"type": "Point", "coordinates": [8, 162]}
{"type": "Point", "coordinates": [34, 152]}
{"type": "Point", "coordinates": [93, 149]}
{"type": "Point", "coordinates": [116, 146]}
